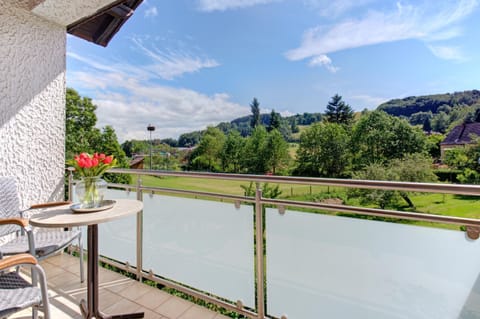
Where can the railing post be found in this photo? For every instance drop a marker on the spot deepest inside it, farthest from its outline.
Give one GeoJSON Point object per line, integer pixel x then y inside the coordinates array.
{"type": "Point", "coordinates": [260, 260]}
{"type": "Point", "coordinates": [139, 231]}
{"type": "Point", "coordinates": [70, 183]}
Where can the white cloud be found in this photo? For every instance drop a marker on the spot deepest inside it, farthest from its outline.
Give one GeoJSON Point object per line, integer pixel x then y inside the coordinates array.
{"type": "Point", "coordinates": [325, 61]}
{"type": "Point", "coordinates": [171, 64]}
{"type": "Point", "coordinates": [151, 12]}
{"type": "Point", "coordinates": [447, 52]}
{"type": "Point", "coordinates": [222, 5]}
{"type": "Point", "coordinates": [426, 23]}
{"type": "Point", "coordinates": [328, 8]}
{"type": "Point", "coordinates": [129, 101]}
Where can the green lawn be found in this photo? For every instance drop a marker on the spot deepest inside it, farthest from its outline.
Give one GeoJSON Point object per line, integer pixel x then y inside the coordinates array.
{"type": "Point", "coordinates": [222, 186]}
{"type": "Point", "coordinates": [451, 205]}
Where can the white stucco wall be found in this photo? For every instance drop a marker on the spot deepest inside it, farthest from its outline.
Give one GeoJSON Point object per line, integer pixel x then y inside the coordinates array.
{"type": "Point", "coordinates": [32, 103]}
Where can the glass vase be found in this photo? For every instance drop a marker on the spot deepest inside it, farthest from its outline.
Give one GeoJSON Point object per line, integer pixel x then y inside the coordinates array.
{"type": "Point", "coordinates": [90, 191]}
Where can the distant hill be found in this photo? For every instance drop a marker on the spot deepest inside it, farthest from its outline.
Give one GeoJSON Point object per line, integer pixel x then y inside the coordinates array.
{"type": "Point", "coordinates": [430, 103]}
{"type": "Point", "coordinates": [242, 124]}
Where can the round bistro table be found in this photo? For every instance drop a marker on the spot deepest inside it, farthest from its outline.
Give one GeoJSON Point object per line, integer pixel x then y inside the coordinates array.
{"type": "Point", "coordinates": [61, 217]}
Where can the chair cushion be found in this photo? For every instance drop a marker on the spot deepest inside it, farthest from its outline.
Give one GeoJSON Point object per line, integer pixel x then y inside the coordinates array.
{"type": "Point", "coordinates": [46, 242]}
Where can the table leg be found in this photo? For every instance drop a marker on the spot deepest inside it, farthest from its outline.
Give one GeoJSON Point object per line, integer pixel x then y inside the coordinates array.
{"type": "Point", "coordinates": [89, 308]}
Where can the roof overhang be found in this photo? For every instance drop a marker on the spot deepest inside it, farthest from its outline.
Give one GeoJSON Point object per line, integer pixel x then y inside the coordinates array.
{"type": "Point", "coordinates": [100, 27]}
{"type": "Point", "coordinates": [96, 21]}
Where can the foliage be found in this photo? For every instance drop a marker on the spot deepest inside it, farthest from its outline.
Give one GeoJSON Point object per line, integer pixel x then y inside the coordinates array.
{"type": "Point", "coordinates": [433, 145]}
{"type": "Point", "coordinates": [275, 119]}
{"type": "Point", "coordinates": [443, 111]}
{"type": "Point", "coordinates": [411, 168]}
{"type": "Point", "coordinates": [267, 190]}
{"type": "Point", "coordinates": [323, 151]}
{"type": "Point", "coordinates": [429, 103]}
{"type": "Point", "coordinates": [467, 160]}
{"type": "Point", "coordinates": [254, 157]}
{"type": "Point", "coordinates": [231, 154]}
{"type": "Point", "coordinates": [276, 151]}
{"type": "Point", "coordinates": [255, 108]}
{"type": "Point", "coordinates": [379, 137]}
{"type": "Point", "coordinates": [82, 136]}
{"type": "Point", "coordinates": [189, 139]}
{"type": "Point", "coordinates": [207, 154]}
{"type": "Point", "coordinates": [338, 111]}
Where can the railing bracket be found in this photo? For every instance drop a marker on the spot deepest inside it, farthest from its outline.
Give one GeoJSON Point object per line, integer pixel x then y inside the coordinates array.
{"type": "Point", "coordinates": [128, 191]}
{"type": "Point", "coordinates": [473, 232]}
{"type": "Point", "coordinates": [151, 194]}
{"type": "Point", "coordinates": [127, 266]}
{"type": "Point", "coordinates": [284, 317]}
{"type": "Point", "coordinates": [281, 209]}
{"type": "Point", "coordinates": [237, 204]}
{"type": "Point", "coordinates": [150, 274]}
{"type": "Point", "coordinates": [239, 304]}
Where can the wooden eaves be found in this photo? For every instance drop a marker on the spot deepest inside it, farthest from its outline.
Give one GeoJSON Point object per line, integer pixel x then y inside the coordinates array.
{"type": "Point", "coordinates": [100, 27]}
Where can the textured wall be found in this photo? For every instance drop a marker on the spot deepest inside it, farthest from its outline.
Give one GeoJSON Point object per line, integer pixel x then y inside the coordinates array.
{"type": "Point", "coordinates": [32, 103]}
{"type": "Point", "coordinates": [65, 12]}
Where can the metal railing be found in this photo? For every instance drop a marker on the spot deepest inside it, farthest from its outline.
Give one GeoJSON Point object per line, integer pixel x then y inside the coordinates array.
{"type": "Point", "coordinates": [472, 226]}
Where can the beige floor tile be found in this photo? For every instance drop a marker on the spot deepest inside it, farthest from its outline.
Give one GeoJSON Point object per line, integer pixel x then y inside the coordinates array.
{"type": "Point", "coordinates": [122, 307]}
{"type": "Point", "coordinates": [220, 316]}
{"type": "Point", "coordinates": [153, 299]}
{"type": "Point", "coordinates": [173, 307]}
{"type": "Point", "coordinates": [117, 295]}
{"type": "Point", "coordinates": [135, 291]}
{"type": "Point", "coordinates": [64, 280]}
{"type": "Point", "coordinates": [197, 312]}
{"type": "Point", "coordinates": [149, 314]}
{"type": "Point", "coordinates": [62, 260]}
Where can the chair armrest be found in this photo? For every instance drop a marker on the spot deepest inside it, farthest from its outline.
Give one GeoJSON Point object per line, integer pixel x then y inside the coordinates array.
{"type": "Point", "coordinates": [22, 222]}
{"type": "Point", "coordinates": [16, 260]}
{"type": "Point", "coordinates": [49, 204]}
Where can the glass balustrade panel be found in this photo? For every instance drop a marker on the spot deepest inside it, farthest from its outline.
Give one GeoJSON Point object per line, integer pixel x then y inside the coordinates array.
{"type": "Point", "coordinates": [321, 266]}
{"type": "Point", "coordinates": [117, 238]}
{"type": "Point", "coordinates": [206, 245]}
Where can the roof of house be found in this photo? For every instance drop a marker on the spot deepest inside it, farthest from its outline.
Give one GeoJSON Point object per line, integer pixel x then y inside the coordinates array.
{"type": "Point", "coordinates": [100, 27]}
{"type": "Point", "coordinates": [136, 160]}
{"type": "Point", "coordinates": [462, 134]}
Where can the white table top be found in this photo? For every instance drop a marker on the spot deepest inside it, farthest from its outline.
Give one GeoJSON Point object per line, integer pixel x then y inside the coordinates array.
{"type": "Point", "coordinates": [63, 216]}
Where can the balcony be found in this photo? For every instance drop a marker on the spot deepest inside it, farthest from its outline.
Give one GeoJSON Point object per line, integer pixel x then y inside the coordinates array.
{"type": "Point", "coordinates": [277, 258]}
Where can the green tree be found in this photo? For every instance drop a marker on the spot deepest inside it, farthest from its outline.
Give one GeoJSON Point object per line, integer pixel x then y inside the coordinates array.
{"type": "Point", "coordinates": [433, 145]}
{"type": "Point", "coordinates": [207, 154]}
{"type": "Point", "coordinates": [82, 136]}
{"type": "Point", "coordinates": [411, 168]}
{"type": "Point", "coordinates": [275, 121]}
{"type": "Point", "coordinates": [323, 151]}
{"type": "Point", "coordinates": [378, 137]}
{"type": "Point", "coordinates": [232, 152]}
{"type": "Point", "coordinates": [255, 108]}
{"type": "Point", "coordinates": [440, 122]}
{"type": "Point", "coordinates": [338, 111]}
{"type": "Point", "coordinates": [255, 159]}
{"type": "Point", "coordinates": [276, 151]}
{"type": "Point", "coordinates": [79, 124]}
{"type": "Point", "coordinates": [467, 160]}
{"type": "Point", "coordinates": [294, 127]}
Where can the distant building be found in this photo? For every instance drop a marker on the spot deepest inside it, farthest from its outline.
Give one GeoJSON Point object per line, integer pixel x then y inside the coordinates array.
{"type": "Point", "coordinates": [460, 136]}
{"type": "Point", "coordinates": [137, 162]}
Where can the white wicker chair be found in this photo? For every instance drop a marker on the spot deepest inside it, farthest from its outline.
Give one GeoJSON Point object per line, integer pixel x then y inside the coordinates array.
{"type": "Point", "coordinates": [16, 293]}
{"type": "Point", "coordinates": [40, 243]}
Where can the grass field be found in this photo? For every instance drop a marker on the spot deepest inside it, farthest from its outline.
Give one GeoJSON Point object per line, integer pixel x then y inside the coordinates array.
{"type": "Point", "coordinates": [448, 205]}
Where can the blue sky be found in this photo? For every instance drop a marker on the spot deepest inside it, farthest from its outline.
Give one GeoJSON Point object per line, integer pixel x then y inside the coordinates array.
{"type": "Point", "coordinates": [184, 64]}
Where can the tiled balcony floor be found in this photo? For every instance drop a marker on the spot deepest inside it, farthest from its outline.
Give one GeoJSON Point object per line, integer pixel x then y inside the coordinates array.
{"type": "Point", "coordinates": [118, 294]}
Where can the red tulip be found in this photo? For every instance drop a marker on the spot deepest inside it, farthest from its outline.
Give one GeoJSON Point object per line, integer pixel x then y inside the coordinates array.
{"type": "Point", "coordinates": [108, 159]}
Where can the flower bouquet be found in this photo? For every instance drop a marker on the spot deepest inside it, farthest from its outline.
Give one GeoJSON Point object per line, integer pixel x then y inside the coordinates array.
{"type": "Point", "coordinates": [90, 190]}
